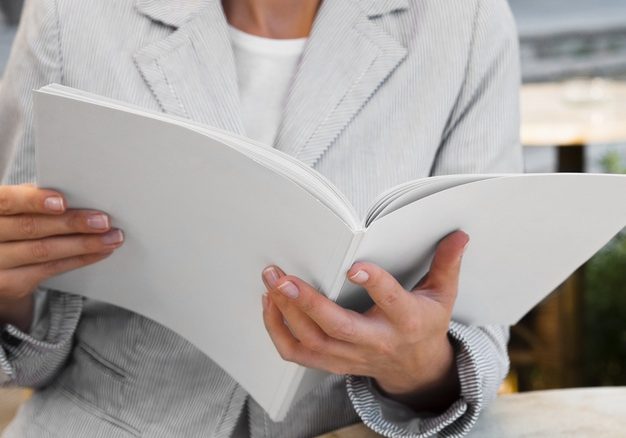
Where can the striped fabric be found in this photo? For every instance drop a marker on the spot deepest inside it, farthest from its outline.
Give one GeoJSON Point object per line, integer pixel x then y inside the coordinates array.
{"type": "Point", "coordinates": [33, 360]}
{"type": "Point", "coordinates": [387, 91]}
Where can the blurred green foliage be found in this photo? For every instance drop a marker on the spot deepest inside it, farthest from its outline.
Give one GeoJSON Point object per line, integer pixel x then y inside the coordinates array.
{"type": "Point", "coordinates": [605, 304]}
{"type": "Point", "coordinates": [612, 163]}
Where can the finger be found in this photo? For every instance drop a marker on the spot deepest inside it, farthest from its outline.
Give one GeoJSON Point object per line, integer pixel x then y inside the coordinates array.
{"type": "Point", "coordinates": [28, 252]}
{"type": "Point", "coordinates": [445, 268]}
{"type": "Point", "coordinates": [389, 295]}
{"type": "Point", "coordinates": [335, 321]}
{"type": "Point", "coordinates": [309, 333]}
{"type": "Point", "coordinates": [16, 279]}
{"type": "Point", "coordinates": [291, 350]}
{"type": "Point", "coordinates": [271, 275]}
{"type": "Point", "coordinates": [37, 226]}
{"type": "Point", "coordinates": [29, 199]}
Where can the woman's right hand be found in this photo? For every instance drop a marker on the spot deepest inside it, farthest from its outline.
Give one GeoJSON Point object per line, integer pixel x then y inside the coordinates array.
{"type": "Point", "coordinates": [41, 238]}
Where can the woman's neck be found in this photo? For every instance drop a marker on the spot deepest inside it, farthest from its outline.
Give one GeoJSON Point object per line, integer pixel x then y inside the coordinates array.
{"type": "Point", "coordinates": [280, 19]}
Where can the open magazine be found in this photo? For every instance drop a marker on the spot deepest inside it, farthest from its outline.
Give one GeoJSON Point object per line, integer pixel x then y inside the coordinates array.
{"type": "Point", "coordinates": [204, 211]}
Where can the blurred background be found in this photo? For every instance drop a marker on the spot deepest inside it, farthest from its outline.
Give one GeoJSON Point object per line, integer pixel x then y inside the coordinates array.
{"type": "Point", "coordinates": [573, 119]}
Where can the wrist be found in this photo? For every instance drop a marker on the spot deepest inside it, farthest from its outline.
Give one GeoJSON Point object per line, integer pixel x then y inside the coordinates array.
{"type": "Point", "coordinates": [431, 383]}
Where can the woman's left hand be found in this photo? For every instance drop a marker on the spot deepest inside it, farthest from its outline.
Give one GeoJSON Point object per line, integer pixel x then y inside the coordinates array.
{"type": "Point", "coordinates": [401, 341]}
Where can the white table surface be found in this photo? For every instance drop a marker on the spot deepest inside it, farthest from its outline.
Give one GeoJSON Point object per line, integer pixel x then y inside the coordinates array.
{"type": "Point", "coordinates": [592, 412]}
{"type": "Point", "coordinates": [579, 413]}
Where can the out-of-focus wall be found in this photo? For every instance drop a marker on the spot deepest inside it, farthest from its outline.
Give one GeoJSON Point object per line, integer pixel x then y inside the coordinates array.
{"type": "Point", "coordinates": [9, 15]}
{"type": "Point", "coordinates": [11, 10]}
{"type": "Point", "coordinates": [564, 38]}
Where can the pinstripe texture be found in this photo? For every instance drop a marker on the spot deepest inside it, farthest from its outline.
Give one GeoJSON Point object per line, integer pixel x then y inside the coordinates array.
{"type": "Point", "coordinates": [387, 91]}
{"type": "Point", "coordinates": [32, 361]}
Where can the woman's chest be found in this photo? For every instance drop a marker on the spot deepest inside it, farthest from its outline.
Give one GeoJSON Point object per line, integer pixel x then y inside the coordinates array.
{"type": "Point", "coordinates": [366, 126]}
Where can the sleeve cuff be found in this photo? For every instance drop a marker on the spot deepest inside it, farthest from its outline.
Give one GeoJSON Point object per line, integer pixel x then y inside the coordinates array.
{"type": "Point", "coordinates": [390, 418]}
{"type": "Point", "coordinates": [32, 359]}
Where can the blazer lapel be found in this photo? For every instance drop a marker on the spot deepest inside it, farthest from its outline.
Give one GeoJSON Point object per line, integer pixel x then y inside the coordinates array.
{"type": "Point", "coordinates": [347, 58]}
{"type": "Point", "coordinates": [191, 72]}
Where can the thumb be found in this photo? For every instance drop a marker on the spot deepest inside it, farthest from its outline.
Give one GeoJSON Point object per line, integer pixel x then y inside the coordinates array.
{"type": "Point", "coordinates": [446, 267]}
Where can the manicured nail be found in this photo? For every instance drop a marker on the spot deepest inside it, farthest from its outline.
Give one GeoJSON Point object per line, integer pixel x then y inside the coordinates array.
{"type": "Point", "coordinates": [113, 237]}
{"type": "Point", "coordinates": [270, 274]}
{"type": "Point", "coordinates": [289, 289]}
{"type": "Point", "coordinates": [54, 203]}
{"type": "Point", "coordinates": [359, 277]}
{"type": "Point", "coordinates": [466, 242]}
{"type": "Point", "coordinates": [264, 299]}
{"type": "Point", "coordinates": [98, 221]}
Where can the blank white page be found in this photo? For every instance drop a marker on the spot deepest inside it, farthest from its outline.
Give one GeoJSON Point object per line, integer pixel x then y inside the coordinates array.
{"type": "Point", "coordinates": [201, 221]}
{"type": "Point", "coordinates": [528, 233]}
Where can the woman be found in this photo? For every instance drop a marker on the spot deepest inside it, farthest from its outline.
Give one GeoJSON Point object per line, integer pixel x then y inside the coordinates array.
{"type": "Point", "coordinates": [369, 93]}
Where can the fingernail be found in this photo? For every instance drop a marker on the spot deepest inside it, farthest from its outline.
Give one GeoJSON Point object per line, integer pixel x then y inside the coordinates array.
{"type": "Point", "coordinates": [113, 237]}
{"type": "Point", "coordinates": [466, 242]}
{"type": "Point", "coordinates": [270, 274]}
{"type": "Point", "coordinates": [98, 222]}
{"type": "Point", "coordinates": [289, 289]}
{"type": "Point", "coordinates": [264, 300]}
{"type": "Point", "coordinates": [359, 277]}
{"type": "Point", "coordinates": [54, 203]}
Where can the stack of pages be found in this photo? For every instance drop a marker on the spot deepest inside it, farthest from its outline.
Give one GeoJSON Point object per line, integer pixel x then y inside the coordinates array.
{"type": "Point", "coordinates": [204, 211]}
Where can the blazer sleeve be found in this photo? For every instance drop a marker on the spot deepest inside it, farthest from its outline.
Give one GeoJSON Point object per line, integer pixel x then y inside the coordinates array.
{"type": "Point", "coordinates": [482, 136]}
{"type": "Point", "coordinates": [32, 359]}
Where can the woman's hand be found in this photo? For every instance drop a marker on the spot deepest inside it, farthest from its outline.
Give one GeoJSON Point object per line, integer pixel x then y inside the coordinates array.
{"type": "Point", "coordinates": [40, 238]}
{"type": "Point", "coordinates": [401, 341]}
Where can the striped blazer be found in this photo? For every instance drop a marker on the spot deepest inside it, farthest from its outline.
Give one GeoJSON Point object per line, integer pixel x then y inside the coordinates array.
{"type": "Point", "coordinates": [386, 91]}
